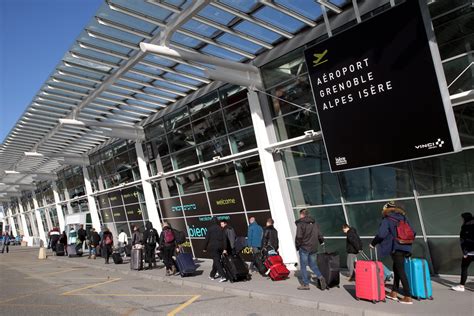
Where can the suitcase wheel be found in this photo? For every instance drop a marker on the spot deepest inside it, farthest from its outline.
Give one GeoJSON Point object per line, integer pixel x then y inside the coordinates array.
{"type": "Point", "coordinates": [385, 301]}
{"type": "Point", "coordinates": [373, 301]}
{"type": "Point", "coordinates": [431, 298]}
{"type": "Point", "coordinates": [357, 298]}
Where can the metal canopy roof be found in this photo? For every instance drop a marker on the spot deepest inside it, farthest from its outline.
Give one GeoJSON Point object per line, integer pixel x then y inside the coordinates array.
{"type": "Point", "coordinates": [105, 77]}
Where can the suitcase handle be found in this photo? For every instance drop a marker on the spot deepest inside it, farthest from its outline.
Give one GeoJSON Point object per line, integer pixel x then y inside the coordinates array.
{"type": "Point", "coordinates": [375, 250]}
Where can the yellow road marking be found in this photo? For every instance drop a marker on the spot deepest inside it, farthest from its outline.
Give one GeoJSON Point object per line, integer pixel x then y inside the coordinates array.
{"type": "Point", "coordinates": [51, 273]}
{"type": "Point", "coordinates": [131, 295]}
{"type": "Point", "coordinates": [90, 286]}
{"type": "Point", "coordinates": [183, 306]}
{"type": "Point", "coordinates": [30, 294]}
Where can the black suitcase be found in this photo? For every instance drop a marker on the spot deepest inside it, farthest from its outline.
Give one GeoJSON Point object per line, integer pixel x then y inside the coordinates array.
{"type": "Point", "coordinates": [117, 257]}
{"type": "Point", "coordinates": [329, 265]}
{"type": "Point", "coordinates": [235, 268]}
{"type": "Point", "coordinates": [59, 249]}
{"type": "Point", "coordinates": [136, 260]}
{"type": "Point", "coordinates": [128, 250]}
{"type": "Point", "coordinates": [260, 265]}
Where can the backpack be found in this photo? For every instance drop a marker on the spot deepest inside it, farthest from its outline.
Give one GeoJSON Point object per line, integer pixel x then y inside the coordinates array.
{"type": "Point", "coordinates": [180, 237]}
{"type": "Point", "coordinates": [405, 234]}
{"type": "Point", "coordinates": [151, 239]}
{"type": "Point", "coordinates": [169, 236]}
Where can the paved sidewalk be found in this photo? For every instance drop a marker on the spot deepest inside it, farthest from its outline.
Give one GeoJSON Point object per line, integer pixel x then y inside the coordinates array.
{"type": "Point", "coordinates": [338, 300]}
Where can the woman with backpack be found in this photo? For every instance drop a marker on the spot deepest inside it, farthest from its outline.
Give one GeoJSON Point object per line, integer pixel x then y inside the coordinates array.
{"type": "Point", "coordinates": [150, 239]}
{"type": "Point", "coordinates": [466, 237]}
{"type": "Point", "coordinates": [395, 238]}
{"type": "Point", "coordinates": [107, 244]}
{"type": "Point", "coordinates": [168, 245]}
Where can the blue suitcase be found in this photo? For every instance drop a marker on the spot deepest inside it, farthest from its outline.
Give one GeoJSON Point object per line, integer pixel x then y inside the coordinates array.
{"type": "Point", "coordinates": [185, 263]}
{"type": "Point", "coordinates": [419, 278]}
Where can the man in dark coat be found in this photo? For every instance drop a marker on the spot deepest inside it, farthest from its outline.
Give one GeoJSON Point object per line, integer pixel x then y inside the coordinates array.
{"type": "Point", "coordinates": [466, 238]}
{"type": "Point", "coordinates": [270, 236]}
{"type": "Point", "coordinates": [81, 235]}
{"type": "Point", "coordinates": [150, 239]}
{"type": "Point", "coordinates": [214, 244]}
{"type": "Point", "coordinates": [308, 238]}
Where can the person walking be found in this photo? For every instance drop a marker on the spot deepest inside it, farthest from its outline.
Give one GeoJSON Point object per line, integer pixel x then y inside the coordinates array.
{"type": "Point", "coordinates": [94, 243]}
{"type": "Point", "coordinates": [150, 238]}
{"type": "Point", "coordinates": [63, 240]}
{"type": "Point", "coordinates": [270, 236]}
{"type": "Point", "coordinates": [81, 235]}
{"type": "Point", "coordinates": [6, 242]}
{"type": "Point", "coordinates": [168, 246]}
{"type": "Point", "coordinates": [214, 245]}
{"type": "Point", "coordinates": [254, 240]}
{"type": "Point", "coordinates": [308, 238]}
{"type": "Point", "coordinates": [353, 247]}
{"type": "Point", "coordinates": [393, 216]}
{"type": "Point", "coordinates": [466, 238]}
{"type": "Point", "coordinates": [107, 244]}
{"type": "Point", "coordinates": [229, 237]}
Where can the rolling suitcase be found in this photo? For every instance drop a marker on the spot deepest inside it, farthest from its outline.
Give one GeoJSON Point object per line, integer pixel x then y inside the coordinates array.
{"type": "Point", "coordinates": [277, 270]}
{"type": "Point", "coordinates": [136, 260]}
{"type": "Point", "coordinates": [73, 251]}
{"type": "Point", "coordinates": [329, 265]}
{"type": "Point", "coordinates": [117, 257]}
{"type": "Point", "coordinates": [419, 278]}
{"type": "Point", "coordinates": [185, 263]}
{"type": "Point", "coordinates": [369, 279]}
{"type": "Point", "coordinates": [59, 249]}
{"type": "Point", "coordinates": [260, 265]}
{"type": "Point", "coordinates": [235, 268]}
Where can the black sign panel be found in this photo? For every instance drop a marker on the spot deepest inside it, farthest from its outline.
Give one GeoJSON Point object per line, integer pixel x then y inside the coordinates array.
{"type": "Point", "coordinates": [130, 195]}
{"type": "Point", "coordinates": [226, 201]}
{"type": "Point", "coordinates": [119, 214]}
{"type": "Point", "coordinates": [115, 198]}
{"type": "Point", "coordinates": [134, 212]}
{"type": "Point", "coordinates": [377, 92]}
{"type": "Point", "coordinates": [255, 197]}
{"type": "Point", "coordinates": [195, 204]}
{"type": "Point", "coordinates": [171, 207]}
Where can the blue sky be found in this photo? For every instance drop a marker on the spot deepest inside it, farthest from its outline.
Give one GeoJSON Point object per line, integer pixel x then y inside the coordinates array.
{"type": "Point", "coordinates": [34, 36]}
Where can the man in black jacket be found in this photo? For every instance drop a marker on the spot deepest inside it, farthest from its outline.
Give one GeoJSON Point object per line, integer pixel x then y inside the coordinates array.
{"type": "Point", "coordinates": [81, 235]}
{"type": "Point", "coordinates": [466, 237]}
{"type": "Point", "coordinates": [270, 236]}
{"type": "Point", "coordinates": [353, 247]}
{"type": "Point", "coordinates": [308, 237]}
{"type": "Point", "coordinates": [214, 244]}
{"type": "Point", "coordinates": [150, 238]}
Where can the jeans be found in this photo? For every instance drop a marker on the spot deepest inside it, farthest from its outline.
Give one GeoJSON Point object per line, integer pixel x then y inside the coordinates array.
{"type": "Point", "coordinates": [399, 273]}
{"type": "Point", "coordinates": [308, 259]}
{"type": "Point", "coordinates": [255, 257]}
{"type": "Point", "coordinates": [464, 266]}
{"type": "Point", "coordinates": [351, 259]}
{"type": "Point", "coordinates": [216, 264]}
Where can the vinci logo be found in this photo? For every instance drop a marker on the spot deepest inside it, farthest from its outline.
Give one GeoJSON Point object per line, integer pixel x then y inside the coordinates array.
{"type": "Point", "coordinates": [320, 58]}
{"type": "Point", "coordinates": [438, 144]}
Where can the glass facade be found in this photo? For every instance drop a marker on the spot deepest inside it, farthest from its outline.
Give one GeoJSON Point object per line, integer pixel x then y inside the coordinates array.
{"type": "Point", "coordinates": [184, 146]}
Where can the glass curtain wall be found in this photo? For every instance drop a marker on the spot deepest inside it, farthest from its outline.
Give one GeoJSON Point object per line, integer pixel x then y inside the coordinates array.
{"type": "Point", "coordinates": [434, 191]}
{"type": "Point", "coordinates": [216, 125]}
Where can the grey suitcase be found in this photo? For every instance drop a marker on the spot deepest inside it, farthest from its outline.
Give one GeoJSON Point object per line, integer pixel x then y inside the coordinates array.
{"type": "Point", "coordinates": [136, 260]}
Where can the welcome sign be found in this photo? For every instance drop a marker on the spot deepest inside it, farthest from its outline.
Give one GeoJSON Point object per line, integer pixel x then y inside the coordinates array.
{"type": "Point", "coordinates": [380, 91]}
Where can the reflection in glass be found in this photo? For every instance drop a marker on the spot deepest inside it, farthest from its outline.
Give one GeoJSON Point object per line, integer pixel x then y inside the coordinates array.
{"type": "Point", "coordinates": [314, 190]}
{"type": "Point", "coordinates": [221, 176]}
{"type": "Point", "coordinates": [305, 159]}
{"type": "Point", "coordinates": [249, 170]}
{"type": "Point", "coordinates": [209, 127]}
{"type": "Point", "coordinates": [238, 116]}
{"type": "Point", "coordinates": [243, 140]}
{"type": "Point", "coordinates": [216, 147]}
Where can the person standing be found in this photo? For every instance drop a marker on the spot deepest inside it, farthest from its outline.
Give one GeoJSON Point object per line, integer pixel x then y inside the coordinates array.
{"type": "Point", "coordinates": [391, 244]}
{"type": "Point", "coordinates": [214, 244]}
{"type": "Point", "coordinates": [254, 240]}
{"type": "Point", "coordinates": [6, 242]}
{"type": "Point", "coordinates": [150, 238]}
{"type": "Point", "coordinates": [308, 238]}
{"type": "Point", "coordinates": [270, 236]}
{"type": "Point", "coordinates": [466, 238]}
{"type": "Point", "coordinates": [353, 247]}
{"type": "Point", "coordinates": [94, 243]}
{"type": "Point", "coordinates": [122, 241]}
{"type": "Point", "coordinates": [168, 246]}
{"type": "Point", "coordinates": [63, 241]}
{"type": "Point", "coordinates": [81, 235]}
{"type": "Point", "coordinates": [107, 244]}
{"type": "Point", "coordinates": [229, 237]}
{"type": "Point", "coordinates": [136, 236]}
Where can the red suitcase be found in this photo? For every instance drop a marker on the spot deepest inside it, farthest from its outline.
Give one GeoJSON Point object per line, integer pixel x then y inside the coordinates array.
{"type": "Point", "coordinates": [370, 280]}
{"type": "Point", "coordinates": [276, 268]}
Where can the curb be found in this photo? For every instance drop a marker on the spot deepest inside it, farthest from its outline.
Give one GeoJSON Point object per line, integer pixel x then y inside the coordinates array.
{"type": "Point", "coordinates": [321, 306]}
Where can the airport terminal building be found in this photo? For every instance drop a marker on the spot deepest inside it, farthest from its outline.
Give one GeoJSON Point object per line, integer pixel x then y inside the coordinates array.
{"type": "Point", "coordinates": [182, 110]}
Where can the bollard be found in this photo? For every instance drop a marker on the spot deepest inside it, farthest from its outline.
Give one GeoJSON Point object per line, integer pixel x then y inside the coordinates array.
{"type": "Point", "coordinates": [42, 251]}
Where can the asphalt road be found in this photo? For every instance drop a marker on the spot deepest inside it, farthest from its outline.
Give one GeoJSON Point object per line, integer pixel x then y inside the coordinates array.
{"type": "Point", "coordinates": [44, 287]}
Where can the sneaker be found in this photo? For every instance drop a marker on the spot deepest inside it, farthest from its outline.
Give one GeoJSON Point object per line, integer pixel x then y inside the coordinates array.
{"type": "Point", "coordinates": [407, 300]}
{"type": "Point", "coordinates": [173, 270]}
{"type": "Point", "coordinates": [393, 296]}
{"type": "Point", "coordinates": [212, 278]}
{"type": "Point", "coordinates": [217, 276]}
{"type": "Point", "coordinates": [303, 287]}
{"type": "Point", "coordinates": [222, 280]}
{"type": "Point", "coordinates": [168, 272]}
{"type": "Point", "coordinates": [322, 283]}
{"type": "Point", "coordinates": [458, 288]}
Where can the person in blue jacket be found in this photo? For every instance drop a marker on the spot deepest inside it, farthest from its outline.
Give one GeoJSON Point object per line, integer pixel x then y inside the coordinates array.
{"type": "Point", "coordinates": [389, 244]}
{"type": "Point", "coordinates": [254, 240]}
